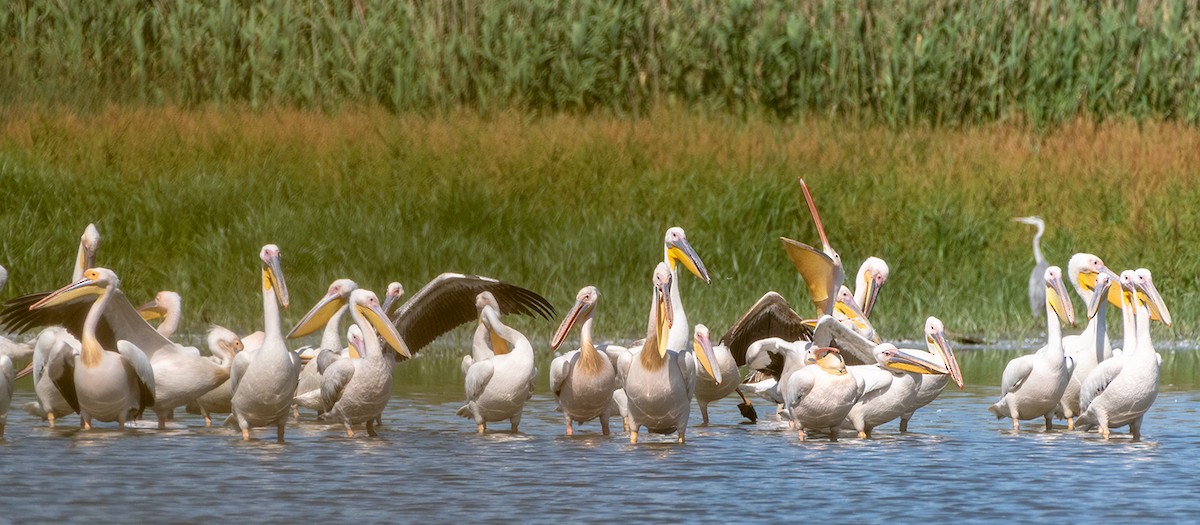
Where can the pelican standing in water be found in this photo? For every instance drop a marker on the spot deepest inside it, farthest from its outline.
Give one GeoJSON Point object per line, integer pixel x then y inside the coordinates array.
{"type": "Point", "coordinates": [107, 384]}
{"type": "Point", "coordinates": [224, 346]}
{"type": "Point", "coordinates": [931, 385]}
{"type": "Point", "coordinates": [582, 380]}
{"type": "Point", "coordinates": [1037, 290]}
{"type": "Point", "coordinates": [7, 376]}
{"type": "Point", "coordinates": [1032, 385]}
{"type": "Point", "coordinates": [1092, 346]}
{"type": "Point", "coordinates": [264, 380]}
{"type": "Point", "coordinates": [357, 390]}
{"type": "Point", "coordinates": [889, 388]}
{"type": "Point", "coordinates": [497, 387]}
{"type": "Point", "coordinates": [659, 382]}
{"type": "Point", "coordinates": [1121, 390]}
{"type": "Point", "coordinates": [814, 387]}
{"type": "Point", "coordinates": [327, 312]}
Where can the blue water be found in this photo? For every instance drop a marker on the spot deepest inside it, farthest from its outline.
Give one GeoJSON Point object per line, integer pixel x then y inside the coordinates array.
{"type": "Point", "coordinates": [429, 465]}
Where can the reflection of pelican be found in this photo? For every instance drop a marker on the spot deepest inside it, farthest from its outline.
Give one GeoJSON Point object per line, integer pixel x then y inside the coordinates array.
{"type": "Point", "coordinates": [659, 382]}
{"type": "Point", "coordinates": [1092, 346]}
{"type": "Point", "coordinates": [1037, 288]}
{"type": "Point", "coordinates": [108, 384]}
{"type": "Point", "coordinates": [1121, 390]}
{"type": "Point", "coordinates": [1033, 384]}
{"type": "Point", "coordinates": [7, 376]}
{"type": "Point", "coordinates": [582, 380]}
{"type": "Point", "coordinates": [889, 388]}
{"type": "Point", "coordinates": [498, 386]}
{"type": "Point", "coordinates": [940, 354]}
{"type": "Point", "coordinates": [224, 346]}
{"type": "Point", "coordinates": [357, 390]}
{"type": "Point", "coordinates": [264, 380]}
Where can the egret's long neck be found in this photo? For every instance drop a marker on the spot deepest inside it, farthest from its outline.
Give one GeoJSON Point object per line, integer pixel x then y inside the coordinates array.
{"type": "Point", "coordinates": [90, 351]}
{"type": "Point", "coordinates": [270, 311]}
{"type": "Point", "coordinates": [589, 358]}
{"type": "Point", "coordinates": [329, 338]}
{"type": "Point", "coordinates": [371, 346]}
{"type": "Point", "coordinates": [170, 320]}
{"type": "Point", "coordinates": [1053, 333]}
{"type": "Point", "coordinates": [1037, 243]}
{"type": "Point", "coordinates": [1128, 325]}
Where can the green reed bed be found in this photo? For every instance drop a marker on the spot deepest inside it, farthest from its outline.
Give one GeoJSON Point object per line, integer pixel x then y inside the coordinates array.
{"type": "Point", "coordinates": [184, 200]}
{"type": "Point", "coordinates": [898, 63]}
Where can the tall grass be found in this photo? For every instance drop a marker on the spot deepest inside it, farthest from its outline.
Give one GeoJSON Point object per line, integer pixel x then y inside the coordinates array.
{"type": "Point", "coordinates": [899, 63]}
{"type": "Point", "coordinates": [184, 199]}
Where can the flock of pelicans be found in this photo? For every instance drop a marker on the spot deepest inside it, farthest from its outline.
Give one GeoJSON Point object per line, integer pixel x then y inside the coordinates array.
{"type": "Point", "coordinates": [98, 356]}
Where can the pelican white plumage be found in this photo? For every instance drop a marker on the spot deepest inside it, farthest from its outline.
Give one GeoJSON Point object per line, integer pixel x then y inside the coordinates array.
{"type": "Point", "coordinates": [888, 388]}
{"type": "Point", "coordinates": [1032, 385]}
{"type": "Point", "coordinates": [1037, 290]}
{"type": "Point", "coordinates": [50, 404]}
{"type": "Point", "coordinates": [7, 377]}
{"type": "Point", "coordinates": [107, 384]}
{"type": "Point", "coordinates": [1119, 391]}
{"type": "Point", "coordinates": [224, 345]}
{"type": "Point", "coordinates": [357, 390]}
{"type": "Point", "coordinates": [582, 380]}
{"type": "Point", "coordinates": [1092, 346]}
{"type": "Point", "coordinates": [168, 306]}
{"type": "Point", "coordinates": [869, 281]}
{"type": "Point", "coordinates": [660, 382]}
{"type": "Point", "coordinates": [330, 309]}
{"type": "Point", "coordinates": [813, 386]}
{"type": "Point", "coordinates": [931, 385]}
{"type": "Point", "coordinates": [264, 380]}
{"type": "Point", "coordinates": [498, 386]}
{"type": "Point", "coordinates": [16, 352]}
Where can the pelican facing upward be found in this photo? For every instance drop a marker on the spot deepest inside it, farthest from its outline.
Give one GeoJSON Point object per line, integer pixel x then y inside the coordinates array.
{"type": "Point", "coordinates": [497, 387]}
{"type": "Point", "coordinates": [1037, 290]}
{"type": "Point", "coordinates": [357, 390]}
{"type": "Point", "coordinates": [1033, 384]}
{"type": "Point", "coordinates": [583, 380]}
{"type": "Point", "coordinates": [108, 384]}
{"type": "Point", "coordinates": [264, 380]}
{"type": "Point", "coordinates": [1121, 390]}
{"type": "Point", "coordinates": [659, 382]}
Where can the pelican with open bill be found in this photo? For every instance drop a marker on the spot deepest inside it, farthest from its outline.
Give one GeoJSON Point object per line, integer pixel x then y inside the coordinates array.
{"type": "Point", "coordinates": [821, 269]}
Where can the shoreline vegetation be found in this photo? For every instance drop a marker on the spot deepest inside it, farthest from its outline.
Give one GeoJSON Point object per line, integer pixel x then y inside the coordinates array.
{"type": "Point", "coordinates": [184, 198]}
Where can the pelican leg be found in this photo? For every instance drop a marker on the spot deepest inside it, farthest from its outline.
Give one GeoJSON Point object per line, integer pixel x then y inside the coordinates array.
{"type": "Point", "coordinates": [346, 423]}
{"type": "Point", "coordinates": [85, 421]}
{"type": "Point", "coordinates": [633, 434]}
{"type": "Point", "coordinates": [162, 422]}
{"type": "Point", "coordinates": [1070, 423]}
{"type": "Point", "coordinates": [481, 427]}
{"type": "Point", "coordinates": [681, 439]}
{"type": "Point", "coordinates": [833, 433]}
{"type": "Point", "coordinates": [1016, 425]}
{"type": "Point", "coordinates": [279, 427]}
{"type": "Point", "coordinates": [904, 424]}
{"type": "Point", "coordinates": [515, 421]}
{"type": "Point", "coordinates": [1049, 421]}
{"type": "Point", "coordinates": [604, 423]}
{"type": "Point", "coordinates": [296, 412]}
{"type": "Point", "coordinates": [704, 413]}
{"type": "Point", "coordinates": [244, 425]}
{"type": "Point", "coordinates": [801, 434]}
{"type": "Point", "coordinates": [865, 433]}
{"type": "Point", "coordinates": [625, 424]}
{"type": "Point", "coordinates": [570, 426]}
{"type": "Point", "coordinates": [747, 408]}
{"type": "Point", "coordinates": [50, 418]}
{"type": "Point", "coordinates": [1135, 428]}
{"type": "Point", "coordinates": [207, 419]}
{"type": "Point", "coordinates": [371, 428]}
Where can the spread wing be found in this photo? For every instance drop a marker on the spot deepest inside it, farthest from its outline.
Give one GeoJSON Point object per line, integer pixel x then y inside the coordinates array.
{"type": "Point", "coordinates": [138, 364]}
{"type": "Point", "coordinates": [334, 380]}
{"type": "Point", "coordinates": [61, 369]}
{"type": "Point", "coordinates": [771, 316]}
{"type": "Point", "coordinates": [1015, 373]}
{"type": "Point", "coordinates": [855, 349]}
{"type": "Point", "coordinates": [767, 357]}
{"type": "Point", "coordinates": [449, 301]}
{"type": "Point", "coordinates": [120, 320]}
{"type": "Point", "coordinates": [823, 276]}
{"type": "Point", "coordinates": [1097, 380]}
{"type": "Point", "coordinates": [478, 376]}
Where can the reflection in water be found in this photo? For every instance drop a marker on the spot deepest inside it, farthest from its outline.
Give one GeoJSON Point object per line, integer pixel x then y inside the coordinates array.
{"type": "Point", "coordinates": [430, 465]}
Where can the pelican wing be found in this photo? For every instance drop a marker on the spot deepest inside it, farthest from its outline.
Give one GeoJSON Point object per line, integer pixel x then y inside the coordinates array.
{"type": "Point", "coordinates": [61, 369]}
{"type": "Point", "coordinates": [872, 379]}
{"type": "Point", "coordinates": [855, 349]}
{"type": "Point", "coordinates": [138, 364]}
{"type": "Point", "coordinates": [1097, 381]}
{"type": "Point", "coordinates": [766, 358]}
{"type": "Point", "coordinates": [1016, 372]}
{"type": "Point", "coordinates": [478, 376]}
{"type": "Point", "coordinates": [771, 316]}
{"type": "Point", "coordinates": [686, 361]}
{"type": "Point", "coordinates": [449, 301]}
{"type": "Point", "coordinates": [823, 276]}
{"type": "Point", "coordinates": [334, 380]}
{"type": "Point", "coordinates": [325, 359]}
{"type": "Point", "coordinates": [560, 369]}
{"type": "Point", "coordinates": [623, 363]}
{"type": "Point", "coordinates": [240, 363]}
{"type": "Point", "coordinates": [120, 321]}
{"type": "Point", "coordinates": [614, 352]}
{"type": "Point", "coordinates": [798, 386]}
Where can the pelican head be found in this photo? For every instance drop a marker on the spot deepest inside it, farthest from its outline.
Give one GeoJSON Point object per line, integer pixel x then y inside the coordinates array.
{"type": "Point", "coordinates": [221, 339]}
{"type": "Point", "coordinates": [489, 316]}
{"type": "Point", "coordinates": [702, 345]}
{"type": "Point", "coordinates": [1145, 285]}
{"type": "Point", "coordinates": [354, 336]}
{"type": "Point", "coordinates": [870, 280]}
{"type": "Point", "coordinates": [888, 356]}
{"type": "Point", "coordinates": [95, 281]}
{"type": "Point", "coordinates": [664, 317]}
{"type": "Point", "coordinates": [89, 243]}
{"type": "Point", "coordinates": [367, 305]}
{"type": "Point", "coordinates": [163, 302]}
{"type": "Point", "coordinates": [679, 251]}
{"type": "Point", "coordinates": [935, 339]}
{"type": "Point", "coordinates": [334, 299]}
{"type": "Point", "coordinates": [1099, 295]}
{"type": "Point", "coordinates": [1056, 295]}
{"type": "Point", "coordinates": [392, 297]}
{"type": "Point", "coordinates": [585, 305]}
{"type": "Point", "coordinates": [485, 300]}
{"type": "Point", "coordinates": [1082, 270]}
{"type": "Point", "coordinates": [273, 273]}
{"type": "Point", "coordinates": [828, 359]}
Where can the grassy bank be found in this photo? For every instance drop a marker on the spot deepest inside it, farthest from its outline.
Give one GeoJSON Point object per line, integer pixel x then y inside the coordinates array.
{"type": "Point", "coordinates": [184, 200]}
{"type": "Point", "coordinates": [899, 63]}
